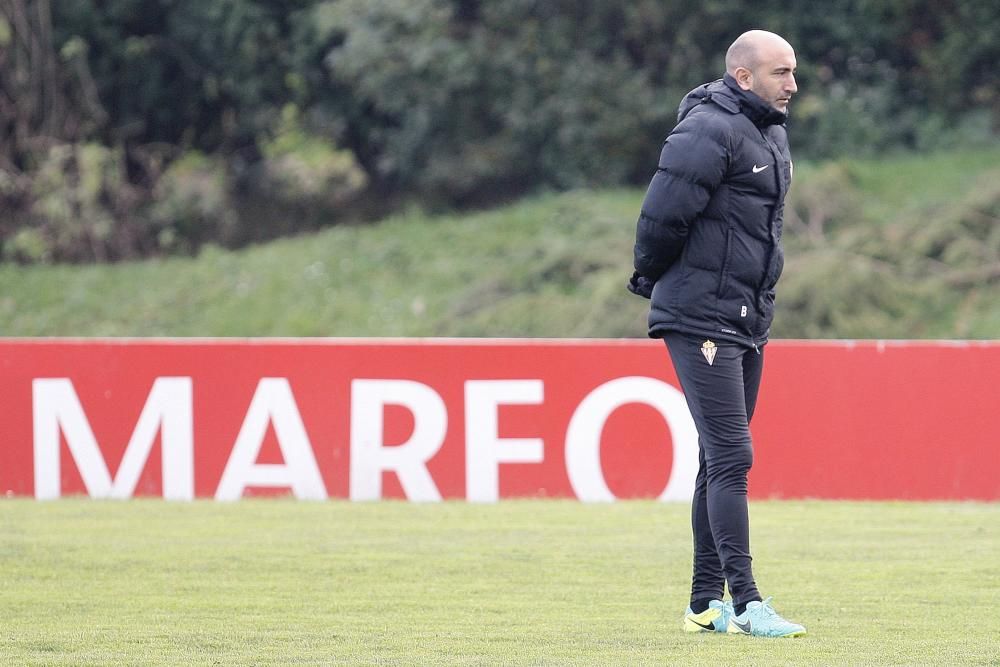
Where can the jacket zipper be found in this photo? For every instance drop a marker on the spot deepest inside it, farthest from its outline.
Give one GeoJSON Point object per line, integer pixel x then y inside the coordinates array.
{"type": "Point", "coordinates": [778, 162]}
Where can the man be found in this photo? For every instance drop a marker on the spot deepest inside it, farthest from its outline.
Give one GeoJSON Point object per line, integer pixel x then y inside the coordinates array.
{"type": "Point", "coordinates": [708, 254]}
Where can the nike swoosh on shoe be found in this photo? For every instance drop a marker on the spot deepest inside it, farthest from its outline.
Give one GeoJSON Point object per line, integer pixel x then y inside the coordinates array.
{"type": "Point", "coordinates": [745, 627]}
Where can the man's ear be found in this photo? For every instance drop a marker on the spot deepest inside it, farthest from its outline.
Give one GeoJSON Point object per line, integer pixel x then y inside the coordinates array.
{"type": "Point", "coordinates": [744, 78]}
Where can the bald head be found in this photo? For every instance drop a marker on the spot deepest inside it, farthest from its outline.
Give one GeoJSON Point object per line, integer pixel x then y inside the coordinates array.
{"type": "Point", "coordinates": [751, 48]}
{"type": "Point", "coordinates": [763, 63]}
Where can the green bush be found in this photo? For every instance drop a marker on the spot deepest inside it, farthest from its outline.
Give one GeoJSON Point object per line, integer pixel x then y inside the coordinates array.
{"type": "Point", "coordinates": [899, 278]}
{"type": "Point", "coordinates": [80, 207]}
{"type": "Point", "coordinates": [192, 205]}
{"type": "Point", "coordinates": [822, 199]}
{"type": "Point", "coordinates": [308, 171]}
{"type": "Point", "coordinates": [513, 98]}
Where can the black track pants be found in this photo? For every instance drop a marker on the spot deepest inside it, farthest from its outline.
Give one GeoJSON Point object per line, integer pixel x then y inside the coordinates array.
{"type": "Point", "coordinates": [721, 397]}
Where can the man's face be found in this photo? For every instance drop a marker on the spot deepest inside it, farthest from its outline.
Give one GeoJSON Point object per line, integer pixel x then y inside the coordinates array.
{"type": "Point", "coordinates": [773, 80]}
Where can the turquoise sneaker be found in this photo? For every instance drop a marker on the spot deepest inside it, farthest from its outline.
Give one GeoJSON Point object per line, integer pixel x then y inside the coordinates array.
{"type": "Point", "coordinates": [761, 620]}
{"type": "Point", "coordinates": [714, 619]}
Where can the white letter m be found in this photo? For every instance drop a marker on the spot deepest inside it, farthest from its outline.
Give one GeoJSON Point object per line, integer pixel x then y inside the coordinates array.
{"type": "Point", "coordinates": [168, 410]}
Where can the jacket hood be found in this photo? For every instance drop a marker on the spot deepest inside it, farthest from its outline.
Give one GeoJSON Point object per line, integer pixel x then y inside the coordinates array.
{"type": "Point", "coordinates": [716, 91]}
{"type": "Point", "coordinates": [726, 93]}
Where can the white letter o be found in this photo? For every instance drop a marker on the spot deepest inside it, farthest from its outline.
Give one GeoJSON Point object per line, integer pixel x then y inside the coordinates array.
{"type": "Point", "coordinates": [583, 437]}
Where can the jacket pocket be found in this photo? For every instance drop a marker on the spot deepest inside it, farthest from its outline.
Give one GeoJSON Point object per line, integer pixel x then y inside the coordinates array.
{"type": "Point", "coordinates": [726, 258]}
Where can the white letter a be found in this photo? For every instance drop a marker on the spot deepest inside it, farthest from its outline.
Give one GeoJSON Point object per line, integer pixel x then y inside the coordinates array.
{"type": "Point", "coordinates": [272, 402]}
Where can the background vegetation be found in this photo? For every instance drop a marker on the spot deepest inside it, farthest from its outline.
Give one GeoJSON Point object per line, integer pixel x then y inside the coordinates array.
{"type": "Point", "coordinates": [900, 248]}
{"type": "Point", "coordinates": [131, 128]}
{"type": "Point", "coordinates": [179, 132]}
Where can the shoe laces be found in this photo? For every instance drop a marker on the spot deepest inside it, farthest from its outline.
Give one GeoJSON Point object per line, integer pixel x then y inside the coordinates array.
{"type": "Point", "coordinates": [766, 609]}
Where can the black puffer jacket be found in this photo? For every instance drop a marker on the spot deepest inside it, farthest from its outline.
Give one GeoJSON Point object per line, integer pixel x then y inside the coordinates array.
{"type": "Point", "coordinates": [709, 234]}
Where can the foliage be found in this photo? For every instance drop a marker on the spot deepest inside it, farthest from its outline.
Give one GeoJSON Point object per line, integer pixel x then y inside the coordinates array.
{"type": "Point", "coordinates": [154, 82]}
{"type": "Point", "coordinates": [826, 197]}
{"type": "Point", "coordinates": [887, 260]}
{"type": "Point", "coordinates": [82, 207]}
{"type": "Point", "coordinates": [191, 203]}
{"type": "Point", "coordinates": [314, 112]}
{"type": "Point", "coordinates": [469, 98]}
{"type": "Point", "coordinates": [902, 278]}
{"type": "Point", "coordinates": [504, 97]}
{"type": "Point", "coordinates": [300, 176]}
{"type": "Point", "coordinates": [208, 75]}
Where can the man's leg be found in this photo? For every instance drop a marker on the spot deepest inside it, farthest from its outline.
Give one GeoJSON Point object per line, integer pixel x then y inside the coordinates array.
{"type": "Point", "coordinates": [718, 399]}
{"type": "Point", "coordinates": [708, 581]}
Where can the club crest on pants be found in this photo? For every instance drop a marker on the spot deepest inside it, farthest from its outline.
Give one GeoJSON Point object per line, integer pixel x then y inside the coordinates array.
{"type": "Point", "coordinates": [708, 349]}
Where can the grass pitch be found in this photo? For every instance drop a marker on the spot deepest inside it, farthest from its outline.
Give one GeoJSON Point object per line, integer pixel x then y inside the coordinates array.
{"type": "Point", "coordinates": [276, 582]}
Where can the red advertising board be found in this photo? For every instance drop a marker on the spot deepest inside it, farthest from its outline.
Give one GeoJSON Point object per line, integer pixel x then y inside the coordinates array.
{"type": "Point", "coordinates": [482, 419]}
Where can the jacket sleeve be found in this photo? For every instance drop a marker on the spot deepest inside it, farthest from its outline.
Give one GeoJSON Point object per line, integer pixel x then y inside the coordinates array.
{"type": "Point", "coordinates": [692, 164]}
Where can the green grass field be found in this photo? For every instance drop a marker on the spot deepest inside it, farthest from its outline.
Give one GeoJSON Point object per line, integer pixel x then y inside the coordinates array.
{"type": "Point", "coordinates": [540, 582]}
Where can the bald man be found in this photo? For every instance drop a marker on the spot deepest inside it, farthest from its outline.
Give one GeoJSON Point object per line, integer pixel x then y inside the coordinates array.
{"type": "Point", "coordinates": [708, 256]}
